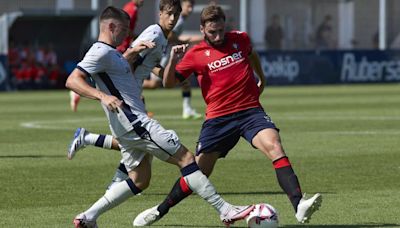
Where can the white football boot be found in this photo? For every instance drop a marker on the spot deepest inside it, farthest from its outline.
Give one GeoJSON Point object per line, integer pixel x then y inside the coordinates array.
{"type": "Point", "coordinates": [147, 217]}
{"type": "Point", "coordinates": [77, 143]}
{"type": "Point", "coordinates": [235, 213]}
{"type": "Point", "coordinates": [307, 207]}
{"type": "Point", "coordinates": [190, 113]}
{"type": "Point", "coordinates": [80, 221]}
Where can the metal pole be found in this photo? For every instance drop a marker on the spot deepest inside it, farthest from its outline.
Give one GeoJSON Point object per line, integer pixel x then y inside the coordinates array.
{"type": "Point", "coordinates": [94, 27]}
{"type": "Point", "coordinates": [243, 15]}
{"type": "Point", "coordinates": [382, 24]}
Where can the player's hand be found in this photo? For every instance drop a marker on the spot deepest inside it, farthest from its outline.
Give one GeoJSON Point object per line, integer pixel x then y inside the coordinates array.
{"type": "Point", "coordinates": [178, 51]}
{"type": "Point", "coordinates": [142, 45]}
{"type": "Point", "coordinates": [112, 103]}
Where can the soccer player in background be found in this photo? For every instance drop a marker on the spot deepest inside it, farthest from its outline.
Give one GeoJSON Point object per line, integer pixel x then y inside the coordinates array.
{"type": "Point", "coordinates": [224, 64]}
{"type": "Point", "coordinates": [175, 37]}
{"type": "Point", "coordinates": [140, 137]}
{"type": "Point", "coordinates": [131, 8]}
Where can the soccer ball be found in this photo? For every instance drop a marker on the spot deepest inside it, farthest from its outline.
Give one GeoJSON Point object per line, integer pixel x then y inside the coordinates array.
{"type": "Point", "coordinates": [263, 216]}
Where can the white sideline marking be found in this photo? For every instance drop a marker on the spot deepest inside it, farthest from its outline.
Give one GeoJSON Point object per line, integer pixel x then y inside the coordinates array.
{"type": "Point", "coordinates": [55, 124]}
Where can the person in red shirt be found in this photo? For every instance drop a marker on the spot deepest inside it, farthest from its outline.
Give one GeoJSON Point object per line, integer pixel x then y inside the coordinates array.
{"type": "Point", "coordinates": [224, 65]}
{"type": "Point", "coordinates": [131, 8]}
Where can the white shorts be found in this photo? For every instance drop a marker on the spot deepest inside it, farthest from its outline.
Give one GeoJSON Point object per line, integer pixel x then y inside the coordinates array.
{"type": "Point", "coordinates": [162, 144]}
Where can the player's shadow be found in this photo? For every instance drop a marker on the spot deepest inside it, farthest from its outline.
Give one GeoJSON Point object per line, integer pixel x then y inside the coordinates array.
{"type": "Point", "coordinates": [31, 156]}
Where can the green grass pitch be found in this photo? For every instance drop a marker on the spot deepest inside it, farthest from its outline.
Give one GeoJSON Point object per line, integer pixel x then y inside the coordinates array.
{"type": "Point", "coordinates": [343, 141]}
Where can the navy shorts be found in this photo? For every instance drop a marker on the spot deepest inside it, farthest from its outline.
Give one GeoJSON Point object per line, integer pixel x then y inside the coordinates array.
{"type": "Point", "coordinates": [222, 133]}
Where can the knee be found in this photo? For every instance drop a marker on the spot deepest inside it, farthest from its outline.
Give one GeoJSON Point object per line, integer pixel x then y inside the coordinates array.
{"type": "Point", "coordinates": [273, 149]}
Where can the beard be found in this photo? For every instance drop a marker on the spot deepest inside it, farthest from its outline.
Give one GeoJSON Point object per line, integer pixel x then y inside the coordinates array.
{"type": "Point", "coordinates": [213, 43]}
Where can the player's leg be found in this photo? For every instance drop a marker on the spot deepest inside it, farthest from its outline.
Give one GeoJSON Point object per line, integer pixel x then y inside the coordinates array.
{"type": "Point", "coordinates": [188, 112]}
{"type": "Point", "coordinates": [74, 99]}
{"type": "Point", "coordinates": [194, 180]}
{"type": "Point", "coordinates": [263, 134]}
{"type": "Point", "coordinates": [83, 138]}
{"type": "Point", "coordinates": [180, 190]}
{"type": "Point", "coordinates": [120, 192]}
{"type": "Point", "coordinates": [153, 82]}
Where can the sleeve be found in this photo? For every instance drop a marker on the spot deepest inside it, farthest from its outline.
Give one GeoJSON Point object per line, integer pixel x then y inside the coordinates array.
{"type": "Point", "coordinates": [185, 67]}
{"type": "Point", "coordinates": [147, 35]}
{"type": "Point", "coordinates": [92, 64]}
{"type": "Point", "coordinates": [178, 29]}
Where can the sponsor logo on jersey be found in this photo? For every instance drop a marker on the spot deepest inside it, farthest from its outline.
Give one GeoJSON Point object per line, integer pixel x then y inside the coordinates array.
{"type": "Point", "coordinates": [207, 53]}
{"type": "Point", "coordinates": [225, 61]}
{"type": "Point", "coordinates": [171, 142]}
{"type": "Point", "coordinates": [235, 45]}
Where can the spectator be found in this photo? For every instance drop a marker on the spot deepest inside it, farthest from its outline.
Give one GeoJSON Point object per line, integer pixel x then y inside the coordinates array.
{"type": "Point", "coordinates": [324, 36]}
{"type": "Point", "coordinates": [274, 34]}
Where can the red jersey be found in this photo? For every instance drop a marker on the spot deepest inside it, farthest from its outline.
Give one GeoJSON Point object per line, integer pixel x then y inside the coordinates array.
{"type": "Point", "coordinates": [224, 74]}
{"type": "Point", "coordinates": [132, 10]}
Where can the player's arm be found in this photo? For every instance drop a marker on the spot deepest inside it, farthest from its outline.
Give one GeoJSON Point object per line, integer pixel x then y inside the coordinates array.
{"type": "Point", "coordinates": [192, 39]}
{"type": "Point", "coordinates": [174, 39]}
{"type": "Point", "coordinates": [77, 82]}
{"type": "Point", "coordinates": [256, 65]}
{"type": "Point", "coordinates": [177, 52]}
{"type": "Point", "coordinates": [132, 53]}
{"type": "Point", "coordinates": [158, 70]}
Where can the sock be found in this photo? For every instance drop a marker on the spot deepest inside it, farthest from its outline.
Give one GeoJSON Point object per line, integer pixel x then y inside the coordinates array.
{"type": "Point", "coordinates": [200, 184]}
{"type": "Point", "coordinates": [104, 141]}
{"type": "Point", "coordinates": [179, 191]}
{"type": "Point", "coordinates": [288, 180]}
{"type": "Point", "coordinates": [186, 96]}
{"type": "Point", "coordinates": [117, 194]}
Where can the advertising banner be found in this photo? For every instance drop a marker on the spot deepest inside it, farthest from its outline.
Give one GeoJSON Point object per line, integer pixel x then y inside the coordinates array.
{"type": "Point", "coordinates": [330, 67]}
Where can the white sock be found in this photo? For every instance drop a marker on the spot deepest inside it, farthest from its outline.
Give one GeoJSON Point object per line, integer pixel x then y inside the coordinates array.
{"type": "Point", "coordinates": [200, 184]}
{"type": "Point", "coordinates": [117, 194]}
{"type": "Point", "coordinates": [93, 139]}
{"type": "Point", "coordinates": [186, 104]}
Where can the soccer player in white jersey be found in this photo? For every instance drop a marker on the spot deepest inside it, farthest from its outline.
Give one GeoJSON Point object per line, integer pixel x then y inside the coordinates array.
{"type": "Point", "coordinates": [140, 137]}
{"type": "Point", "coordinates": [148, 62]}
{"type": "Point", "coordinates": [175, 37]}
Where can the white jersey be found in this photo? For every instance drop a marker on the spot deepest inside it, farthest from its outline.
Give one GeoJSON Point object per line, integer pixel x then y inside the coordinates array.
{"type": "Point", "coordinates": [150, 57]}
{"type": "Point", "coordinates": [178, 29]}
{"type": "Point", "coordinates": [113, 76]}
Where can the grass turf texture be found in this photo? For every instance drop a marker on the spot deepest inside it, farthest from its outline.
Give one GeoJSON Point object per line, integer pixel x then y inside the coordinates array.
{"type": "Point", "coordinates": [343, 141]}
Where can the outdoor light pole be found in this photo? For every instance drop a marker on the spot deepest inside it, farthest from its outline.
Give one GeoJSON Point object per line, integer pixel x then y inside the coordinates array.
{"type": "Point", "coordinates": [382, 24]}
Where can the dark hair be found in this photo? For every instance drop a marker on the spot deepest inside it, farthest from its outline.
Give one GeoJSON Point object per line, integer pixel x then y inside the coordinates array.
{"type": "Point", "coordinates": [211, 13]}
{"type": "Point", "coordinates": [191, 1]}
{"type": "Point", "coordinates": [112, 12]}
{"type": "Point", "coordinates": [164, 4]}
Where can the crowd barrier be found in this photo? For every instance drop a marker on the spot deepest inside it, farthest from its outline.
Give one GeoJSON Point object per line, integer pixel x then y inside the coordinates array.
{"type": "Point", "coordinates": [330, 67]}
{"type": "Point", "coordinates": [311, 67]}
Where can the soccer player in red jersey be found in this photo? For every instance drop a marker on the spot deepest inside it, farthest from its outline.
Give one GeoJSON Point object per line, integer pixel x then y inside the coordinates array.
{"type": "Point", "coordinates": [131, 8]}
{"type": "Point", "coordinates": [224, 64]}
